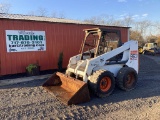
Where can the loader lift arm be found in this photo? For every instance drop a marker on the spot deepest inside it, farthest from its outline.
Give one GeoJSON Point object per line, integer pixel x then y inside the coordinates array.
{"type": "Point", "coordinates": [103, 59]}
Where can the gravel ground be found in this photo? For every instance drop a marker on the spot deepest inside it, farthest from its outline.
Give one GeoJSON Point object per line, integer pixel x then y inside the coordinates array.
{"type": "Point", "coordinates": [30, 101]}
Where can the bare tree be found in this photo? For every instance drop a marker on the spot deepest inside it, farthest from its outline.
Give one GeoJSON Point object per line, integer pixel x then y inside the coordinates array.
{"type": "Point", "coordinates": [157, 24]}
{"type": "Point", "coordinates": [136, 35]}
{"type": "Point", "coordinates": [158, 40]}
{"type": "Point", "coordinates": [95, 20]}
{"type": "Point", "coordinates": [39, 12]}
{"type": "Point", "coordinates": [58, 15]}
{"type": "Point", "coordinates": [42, 11]}
{"type": "Point", "coordinates": [54, 14]}
{"type": "Point", "coordinates": [156, 27]}
{"type": "Point", "coordinates": [117, 23]}
{"type": "Point", "coordinates": [151, 38]}
{"type": "Point", "coordinates": [139, 31]}
{"type": "Point", "coordinates": [142, 26]}
{"type": "Point", "coordinates": [32, 13]}
{"type": "Point", "coordinates": [101, 19]}
{"type": "Point", "coordinates": [61, 15]}
{"type": "Point", "coordinates": [110, 20]}
{"type": "Point", "coordinates": [5, 7]}
{"type": "Point", "coordinates": [127, 21]}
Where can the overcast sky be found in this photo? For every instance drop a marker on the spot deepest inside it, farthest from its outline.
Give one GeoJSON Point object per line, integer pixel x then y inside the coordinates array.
{"type": "Point", "coordinates": [83, 9]}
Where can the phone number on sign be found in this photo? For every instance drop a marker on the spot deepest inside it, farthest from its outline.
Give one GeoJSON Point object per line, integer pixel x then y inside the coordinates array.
{"type": "Point", "coordinates": [26, 42]}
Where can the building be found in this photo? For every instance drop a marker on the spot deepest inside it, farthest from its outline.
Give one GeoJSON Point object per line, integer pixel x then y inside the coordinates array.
{"type": "Point", "coordinates": [50, 36]}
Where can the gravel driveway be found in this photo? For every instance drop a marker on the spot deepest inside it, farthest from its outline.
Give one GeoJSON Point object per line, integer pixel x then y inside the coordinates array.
{"type": "Point", "coordinates": [29, 100]}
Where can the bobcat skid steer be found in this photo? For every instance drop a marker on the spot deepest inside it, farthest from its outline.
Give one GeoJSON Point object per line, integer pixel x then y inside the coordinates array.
{"type": "Point", "coordinates": [103, 62]}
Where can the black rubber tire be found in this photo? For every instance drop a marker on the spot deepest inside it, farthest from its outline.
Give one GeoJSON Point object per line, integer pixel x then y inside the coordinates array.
{"type": "Point", "coordinates": [153, 54]}
{"type": "Point", "coordinates": [95, 83]}
{"type": "Point", "coordinates": [144, 52]}
{"type": "Point", "coordinates": [126, 78]}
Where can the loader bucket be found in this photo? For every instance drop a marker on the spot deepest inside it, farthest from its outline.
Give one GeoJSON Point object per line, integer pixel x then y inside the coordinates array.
{"type": "Point", "coordinates": [67, 89]}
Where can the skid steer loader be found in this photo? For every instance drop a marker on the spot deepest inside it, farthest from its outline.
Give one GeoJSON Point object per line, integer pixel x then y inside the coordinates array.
{"type": "Point", "coordinates": [103, 62]}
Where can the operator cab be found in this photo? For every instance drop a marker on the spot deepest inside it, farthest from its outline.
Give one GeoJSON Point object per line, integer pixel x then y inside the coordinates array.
{"type": "Point", "coordinates": [98, 41]}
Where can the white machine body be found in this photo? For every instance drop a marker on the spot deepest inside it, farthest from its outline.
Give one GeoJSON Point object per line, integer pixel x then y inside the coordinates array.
{"type": "Point", "coordinates": [85, 68]}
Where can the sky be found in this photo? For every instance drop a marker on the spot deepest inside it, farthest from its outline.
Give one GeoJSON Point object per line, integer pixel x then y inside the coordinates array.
{"type": "Point", "coordinates": [85, 9]}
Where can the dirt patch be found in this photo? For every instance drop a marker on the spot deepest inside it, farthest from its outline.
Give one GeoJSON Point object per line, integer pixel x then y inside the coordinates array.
{"type": "Point", "coordinates": [29, 100]}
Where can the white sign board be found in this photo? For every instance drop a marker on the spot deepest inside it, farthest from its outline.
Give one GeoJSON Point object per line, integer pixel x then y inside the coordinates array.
{"type": "Point", "coordinates": [23, 40]}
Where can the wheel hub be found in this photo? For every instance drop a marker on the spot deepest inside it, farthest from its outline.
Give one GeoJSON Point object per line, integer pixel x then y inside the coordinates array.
{"type": "Point", "coordinates": [105, 84]}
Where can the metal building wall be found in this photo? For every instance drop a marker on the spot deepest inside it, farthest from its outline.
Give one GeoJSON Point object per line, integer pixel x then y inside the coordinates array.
{"type": "Point", "coordinates": [60, 37]}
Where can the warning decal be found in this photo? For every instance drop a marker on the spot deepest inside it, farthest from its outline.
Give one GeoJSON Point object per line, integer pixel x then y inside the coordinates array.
{"type": "Point", "coordinates": [134, 55]}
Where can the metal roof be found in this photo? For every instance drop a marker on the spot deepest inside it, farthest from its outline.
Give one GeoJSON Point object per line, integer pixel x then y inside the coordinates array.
{"type": "Point", "coordinates": [48, 19]}
{"type": "Point", "coordinates": [39, 18]}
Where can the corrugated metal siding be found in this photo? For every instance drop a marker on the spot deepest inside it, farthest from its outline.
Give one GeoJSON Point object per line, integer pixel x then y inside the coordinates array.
{"type": "Point", "coordinates": [59, 37]}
